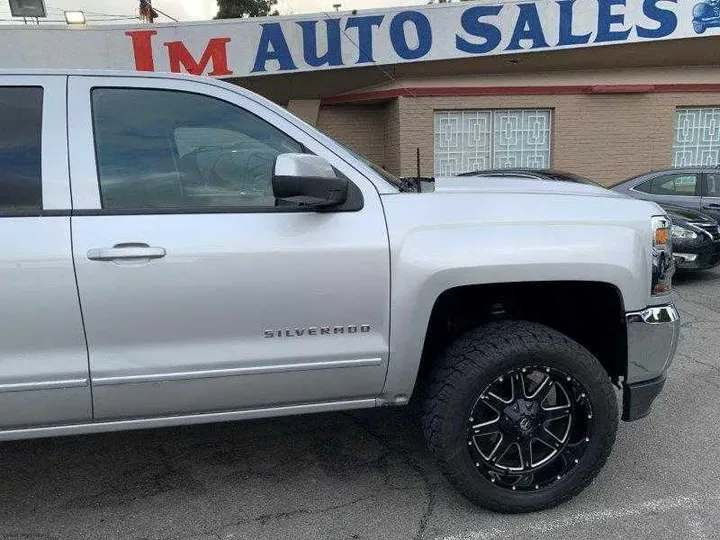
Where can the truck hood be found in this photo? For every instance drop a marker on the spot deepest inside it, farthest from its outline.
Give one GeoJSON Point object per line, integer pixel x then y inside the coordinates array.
{"type": "Point", "coordinates": [488, 230]}
{"type": "Point", "coordinates": [509, 185]}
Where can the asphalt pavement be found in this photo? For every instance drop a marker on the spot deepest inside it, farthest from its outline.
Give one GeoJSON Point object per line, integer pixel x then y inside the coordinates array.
{"type": "Point", "coordinates": [367, 475]}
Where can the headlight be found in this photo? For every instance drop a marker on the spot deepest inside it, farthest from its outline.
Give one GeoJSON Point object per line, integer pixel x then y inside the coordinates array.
{"type": "Point", "coordinates": [682, 232]}
{"type": "Point", "coordinates": [663, 262]}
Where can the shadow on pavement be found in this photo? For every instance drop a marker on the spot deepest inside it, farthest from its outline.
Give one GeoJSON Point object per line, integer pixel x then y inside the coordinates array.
{"type": "Point", "coordinates": [191, 482]}
{"type": "Point", "coordinates": [688, 278]}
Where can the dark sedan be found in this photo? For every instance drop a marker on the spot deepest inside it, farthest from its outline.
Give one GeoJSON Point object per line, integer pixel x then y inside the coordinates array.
{"type": "Point", "coordinates": [695, 188]}
{"type": "Point", "coordinates": [696, 239]}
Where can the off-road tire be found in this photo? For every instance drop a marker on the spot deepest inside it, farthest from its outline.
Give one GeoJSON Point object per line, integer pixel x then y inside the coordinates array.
{"type": "Point", "coordinates": [469, 365]}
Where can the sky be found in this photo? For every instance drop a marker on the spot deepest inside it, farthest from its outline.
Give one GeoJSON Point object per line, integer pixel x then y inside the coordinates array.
{"type": "Point", "coordinates": [186, 10]}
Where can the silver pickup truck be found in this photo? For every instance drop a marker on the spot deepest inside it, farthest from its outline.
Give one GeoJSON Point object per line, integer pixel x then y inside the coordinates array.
{"type": "Point", "coordinates": [176, 250]}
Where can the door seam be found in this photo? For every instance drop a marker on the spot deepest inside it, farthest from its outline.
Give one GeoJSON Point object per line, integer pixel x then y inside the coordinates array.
{"type": "Point", "coordinates": [72, 247]}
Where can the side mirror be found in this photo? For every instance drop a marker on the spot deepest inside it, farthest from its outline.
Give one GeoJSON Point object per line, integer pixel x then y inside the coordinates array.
{"type": "Point", "coordinates": [307, 181]}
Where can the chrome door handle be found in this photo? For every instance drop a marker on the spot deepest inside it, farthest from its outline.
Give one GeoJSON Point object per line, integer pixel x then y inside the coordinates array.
{"type": "Point", "coordinates": [126, 252]}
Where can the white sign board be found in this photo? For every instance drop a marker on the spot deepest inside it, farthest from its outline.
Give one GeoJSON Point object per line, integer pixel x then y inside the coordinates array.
{"type": "Point", "coordinates": [247, 47]}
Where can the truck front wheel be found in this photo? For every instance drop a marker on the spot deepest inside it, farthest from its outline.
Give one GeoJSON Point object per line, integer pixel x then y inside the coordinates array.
{"type": "Point", "coordinates": [519, 417]}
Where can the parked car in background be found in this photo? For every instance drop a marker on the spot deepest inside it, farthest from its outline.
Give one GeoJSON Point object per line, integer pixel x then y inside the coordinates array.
{"type": "Point", "coordinates": [696, 239]}
{"type": "Point", "coordinates": [540, 174]}
{"type": "Point", "coordinates": [696, 188]}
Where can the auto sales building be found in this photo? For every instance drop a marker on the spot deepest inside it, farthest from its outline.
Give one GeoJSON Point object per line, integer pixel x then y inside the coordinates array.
{"type": "Point", "coordinates": [603, 88]}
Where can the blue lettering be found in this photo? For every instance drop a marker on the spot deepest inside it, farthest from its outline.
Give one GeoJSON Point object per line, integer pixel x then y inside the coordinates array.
{"type": "Point", "coordinates": [666, 17]}
{"type": "Point", "coordinates": [364, 27]}
{"type": "Point", "coordinates": [606, 18]}
{"type": "Point", "coordinates": [528, 26]}
{"type": "Point", "coordinates": [399, 38]}
{"type": "Point", "coordinates": [272, 36]}
{"type": "Point", "coordinates": [333, 56]}
{"type": "Point", "coordinates": [472, 25]}
{"type": "Point", "coordinates": [566, 23]}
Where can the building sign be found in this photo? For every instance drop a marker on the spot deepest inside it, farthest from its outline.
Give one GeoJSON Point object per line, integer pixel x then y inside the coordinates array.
{"type": "Point", "coordinates": [248, 47]}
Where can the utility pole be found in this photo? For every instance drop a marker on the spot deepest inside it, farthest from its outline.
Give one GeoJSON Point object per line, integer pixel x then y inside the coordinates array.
{"type": "Point", "coordinates": [147, 13]}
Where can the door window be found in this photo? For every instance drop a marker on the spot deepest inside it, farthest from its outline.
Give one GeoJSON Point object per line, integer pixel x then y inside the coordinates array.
{"type": "Point", "coordinates": [20, 149]}
{"type": "Point", "coordinates": [712, 185]}
{"type": "Point", "coordinates": [684, 184]}
{"type": "Point", "coordinates": [163, 149]}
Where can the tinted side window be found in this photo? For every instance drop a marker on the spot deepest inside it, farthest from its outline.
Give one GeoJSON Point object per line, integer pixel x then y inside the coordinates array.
{"type": "Point", "coordinates": [20, 149]}
{"type": "Point", "coordinates": [645, 187]}
{"type": "Point", "coordinates": [177, 150]}
{"type": "Point", "coordinates": [712, 185]}
{"type": "Point", "coordinates": [681, 184]}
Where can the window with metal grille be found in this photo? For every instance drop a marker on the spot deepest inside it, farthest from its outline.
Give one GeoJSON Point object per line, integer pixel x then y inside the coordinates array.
{"type": "Point", "coordinates": [473, 140]}
{"type": "Point", "coordinates": [697, 137]}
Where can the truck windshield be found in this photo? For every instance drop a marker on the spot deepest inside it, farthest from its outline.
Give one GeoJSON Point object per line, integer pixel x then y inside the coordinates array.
{"type": "Point", "coordinates": [387, 176]}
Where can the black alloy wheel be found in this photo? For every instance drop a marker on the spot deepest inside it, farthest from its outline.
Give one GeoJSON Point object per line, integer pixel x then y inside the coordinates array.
{"type": "Point", "coordinates": [519, 417]}
{"type": "Point", "coordinates": [529, 428]}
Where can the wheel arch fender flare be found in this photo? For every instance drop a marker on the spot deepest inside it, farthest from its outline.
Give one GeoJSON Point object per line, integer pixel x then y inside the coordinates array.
{"type": "Point", "coordinates": [420, 279]}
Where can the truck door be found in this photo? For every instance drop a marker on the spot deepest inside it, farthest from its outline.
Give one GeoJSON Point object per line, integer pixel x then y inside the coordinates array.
{"type": "Point", "coordinates": [44, 376]}
{"type": "Point", "coordinates": [200, 294]}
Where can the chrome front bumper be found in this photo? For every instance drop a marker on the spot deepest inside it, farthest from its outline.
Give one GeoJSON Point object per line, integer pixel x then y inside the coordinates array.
{"type": "Point", "coordinates": [652, 340]}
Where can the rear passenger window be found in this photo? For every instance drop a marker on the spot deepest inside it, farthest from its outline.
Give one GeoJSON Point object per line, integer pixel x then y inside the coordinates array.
{"type": "Point", "coordinates": [165, 149]}
{"type": "Point", "coordinates": [20, 149]}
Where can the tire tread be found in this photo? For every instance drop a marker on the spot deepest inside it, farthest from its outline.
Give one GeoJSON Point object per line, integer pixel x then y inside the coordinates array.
{"type": "Point", "coordinates": [486, 347]}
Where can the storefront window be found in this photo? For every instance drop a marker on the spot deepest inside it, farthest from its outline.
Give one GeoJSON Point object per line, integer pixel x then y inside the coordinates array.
{"type": "Point", "coordinates": [697, 137]}
{"type": "Point", "coordinates": [473, 140]}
